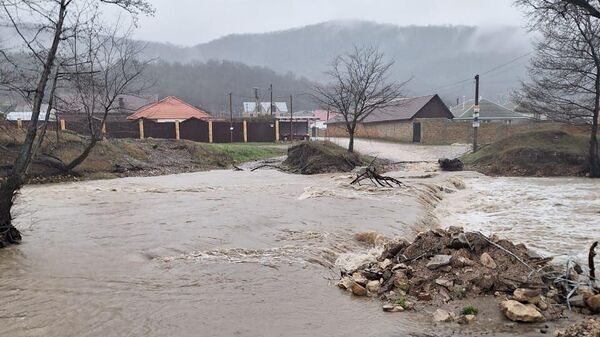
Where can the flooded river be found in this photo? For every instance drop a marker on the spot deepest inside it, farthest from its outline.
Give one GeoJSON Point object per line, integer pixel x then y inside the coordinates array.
{"type": "Point", "coordinates": [243, 254]}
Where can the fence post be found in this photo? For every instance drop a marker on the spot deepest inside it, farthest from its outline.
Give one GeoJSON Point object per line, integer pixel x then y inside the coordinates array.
{"type": "Point", "coordinates": [277, 131]}
{"type": "Point", "coordinates": [245, 131]}
{"type": "Point", "coordinates": [210, 131]}
{"type": "Point", "coordinates": [141, 124]}
{"type": "Point", "coordinates": [19, 123]}
{"type": "Point", "coordinates": [63, 124]}
{"type": "Point", "coordinates": [177, 135]}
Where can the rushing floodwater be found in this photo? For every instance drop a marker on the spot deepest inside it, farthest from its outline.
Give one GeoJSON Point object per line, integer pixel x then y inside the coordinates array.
{"type": "Point", "coordinates": [557, 217]}
{"type": "Point", "coordinates": [244, 254]}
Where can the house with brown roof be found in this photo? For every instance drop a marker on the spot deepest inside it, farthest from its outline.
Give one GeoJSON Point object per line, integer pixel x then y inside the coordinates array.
{"type": "Point", "coordinates": [170, 110]}
{"type": "Point", "coordinates": [399, 122]}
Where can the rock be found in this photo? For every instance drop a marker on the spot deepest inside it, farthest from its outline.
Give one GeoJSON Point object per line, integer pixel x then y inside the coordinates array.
{"type": "Point", "coordinates": [542, 305]}
{"type": "Point", "coordinates": [424, 296]}
{"type": "Point", "coordinates": [442, 316]}
{"type": "Point", "coordinates": [448, 284]}
{"type": "Point", "coordinates": [467, 319]}
{"type": "Point", "coordinates": [487, 261]}
{"type": "Point", "coordinates": [385, 264]}
{"type": "Point", "coordinates": [459, 241]}
{"type": "Point", "coordinates": [594, 303]}
{"type": "Point", "coordinates": [392, 308]}
{"type": "Point", "coordinates": [460, 262]}
{"type": "Point", "coordinates": [577, 301]}
{"type": "Point", "coordinates": [345, 283]}
{"type": "Point", "coordinates": [439, 261]}
{"type": "Point", "coordinates": [519, 312]}
{"type": "Point", "coordinates": [401, 282]}
{"type": "Point", "coordinates": [400, 266]}
{"type": "Point", "coordinates": [524, 295]}
{"type": "Point", "coordinates": [373, 286]}
{"type": "Point", "coordinates": [359, 278]}
{"type": "Point", "coordinates": [586, 292]}
{"type": "Point", "coordinates": [358, 290]}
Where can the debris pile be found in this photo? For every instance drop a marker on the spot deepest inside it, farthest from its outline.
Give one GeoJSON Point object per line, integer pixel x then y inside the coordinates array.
{"type": "Point", "coordinates": [441, 266]}
{"type": "Point", "coordinates": [451, 165]}
{"type": "Point", "coordinates": [321, 157]}
{"type": "Point", "coordinates": [587, 328]}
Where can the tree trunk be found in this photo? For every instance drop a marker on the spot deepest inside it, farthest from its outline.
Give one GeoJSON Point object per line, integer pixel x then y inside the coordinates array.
{"type": "Point", "coordinates": [593, 155]}
{"type": "Point", "coordinates": [351, 144]}
{"type": "Point", "coordinates": [8, 233]}
{"type": "Point", "coordinates": [83, 156]}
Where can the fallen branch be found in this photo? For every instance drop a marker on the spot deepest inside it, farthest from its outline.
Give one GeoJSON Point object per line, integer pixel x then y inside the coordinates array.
{"type": "Point", "coordinates": [377, 179]}
{"type": "Point", "coordinates": [591, 257]}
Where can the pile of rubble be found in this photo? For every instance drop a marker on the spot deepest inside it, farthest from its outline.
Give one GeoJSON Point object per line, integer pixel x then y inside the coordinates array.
{"type": "Point", "coordinates": [441, 266]}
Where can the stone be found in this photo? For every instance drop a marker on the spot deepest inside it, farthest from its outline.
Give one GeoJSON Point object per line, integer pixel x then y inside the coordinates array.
{"type": "Point", "coordinates": [442, 316]}
{"type": "Point", "coordinates": [345, 283]}
{"type": "Point", "coordinates": [524, 295]}
{"type": "Point", "coordinates": [459, 241]}
{"type": "Point", "coordinates": [373, 286]}
{"type": "Point", "coordinates": [424, 296]}
{"type": "Point", "coordinates": [577, 301]}
{"type": "Point", "coordinates": [461, 262]}
{"type": "Point", "coordinates": [519, 312]}
{"type": "Point", "coordinates": [385, 264]}
{"type": "Point", "coordinates": [400, 266]}
{"type": "Point", "coordinates": [467, 319]}
{"type": "Point", "coordinates": [586, 292]}
{"type": "Point", "coordinates": [358, 290]}
{"type": "Point", "coordinates": [359, 278]}
{"type": "Point", "coordinates": [593, 303]}
{"type": "Point", "coordinates": [542, 305]}
{"type": "Point", "coordinates": [448, 284]}
{"type": "Point", "coordinates": [401, 282]}
{"type": "Point", "coordinates": [439, 261]}
{"type": "Point", "coordinates": [392, 308]}
{"type": "Point", "coordinates": [487, 261]}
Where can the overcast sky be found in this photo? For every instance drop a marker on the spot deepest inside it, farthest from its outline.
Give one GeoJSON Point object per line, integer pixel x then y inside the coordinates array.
{"type": "Point", "coordinates": [189, 22]}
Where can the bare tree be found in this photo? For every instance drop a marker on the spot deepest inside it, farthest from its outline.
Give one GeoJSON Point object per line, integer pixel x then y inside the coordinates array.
{"type": "Point", "coordinates": [43, 26]}
{"type": "Point", "coordinates": [359, 86]}
{"type": "Point", "coordinates": [565, 73]}
{"type": "Point", "coordinates": [589, 7]}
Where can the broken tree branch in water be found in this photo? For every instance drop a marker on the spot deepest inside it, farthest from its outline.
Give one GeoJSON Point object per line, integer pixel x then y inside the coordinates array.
{"type": "Point", "coordinates": [377, 179]}
{"type": "Point", "coordinates": [591, 257]}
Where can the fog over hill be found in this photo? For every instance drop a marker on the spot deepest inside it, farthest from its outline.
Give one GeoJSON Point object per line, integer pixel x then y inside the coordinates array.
{"type": "Point", "coordinates": [436, 57]}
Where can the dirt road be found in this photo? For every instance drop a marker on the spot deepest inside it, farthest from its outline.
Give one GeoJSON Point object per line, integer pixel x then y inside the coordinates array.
{"type": "Point", "coordinates": [404, 152]}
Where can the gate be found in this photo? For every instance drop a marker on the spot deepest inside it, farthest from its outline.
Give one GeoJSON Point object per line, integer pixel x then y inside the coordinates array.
{"type": "Point", "coordinates": [416, 132]}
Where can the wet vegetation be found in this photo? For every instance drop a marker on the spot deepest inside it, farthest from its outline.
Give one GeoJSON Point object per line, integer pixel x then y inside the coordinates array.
{"type": "Point", "coordinates": [539, 153]}
{"type": "Point", "coordinates": [322, 157]}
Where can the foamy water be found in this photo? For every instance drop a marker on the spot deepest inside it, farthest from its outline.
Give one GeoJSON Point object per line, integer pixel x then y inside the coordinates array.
{"type": "Point", "coordinates": [558, 217]}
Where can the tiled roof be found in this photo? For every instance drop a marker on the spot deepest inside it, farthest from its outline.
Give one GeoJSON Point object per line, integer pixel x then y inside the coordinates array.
{"type": "Point", "coordinates": [170, 108]}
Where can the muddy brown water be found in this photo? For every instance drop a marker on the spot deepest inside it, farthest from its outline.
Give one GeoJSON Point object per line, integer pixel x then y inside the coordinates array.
{"type": "Point", "coordinates": [206, 254]}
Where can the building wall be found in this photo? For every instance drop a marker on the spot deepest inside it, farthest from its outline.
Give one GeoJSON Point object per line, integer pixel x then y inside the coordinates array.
{"type": "Point", "coordinates": [443, 131]}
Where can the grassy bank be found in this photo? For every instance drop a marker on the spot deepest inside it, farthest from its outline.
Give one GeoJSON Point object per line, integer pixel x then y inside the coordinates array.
{"type": "Point", "coordinates": [540, 153]}
{"type": "Point", "coordinates": [316, 157]}
{"type": "Point", "coordinates": [114, 158]}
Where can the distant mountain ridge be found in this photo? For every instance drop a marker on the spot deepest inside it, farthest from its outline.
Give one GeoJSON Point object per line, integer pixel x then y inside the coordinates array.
{"type": "Point", "coordinates": [434, 56]}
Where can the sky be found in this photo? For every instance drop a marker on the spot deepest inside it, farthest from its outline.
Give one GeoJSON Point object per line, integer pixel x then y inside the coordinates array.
{"type": "Point", "coordinates": [190, 22]}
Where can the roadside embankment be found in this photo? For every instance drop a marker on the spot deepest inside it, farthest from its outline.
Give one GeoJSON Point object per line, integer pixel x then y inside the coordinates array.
{"type": "Point", "coordinates": [113, 158]}
{"type": "Point", "coordinates": [540, 154]}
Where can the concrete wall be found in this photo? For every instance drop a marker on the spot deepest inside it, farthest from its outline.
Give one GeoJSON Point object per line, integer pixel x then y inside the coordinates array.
{"type": "Point", "coordinates": [443, 131]}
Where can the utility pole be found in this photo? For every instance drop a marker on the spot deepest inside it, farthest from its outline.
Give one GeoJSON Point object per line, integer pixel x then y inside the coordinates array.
{"type": "Point", "coordinates": [476, 110]}
{"type": "Point", "coordinates": [327, 125]}
{"type": "Point", "coordinates": [257, 99]}
{"type": "Point", "coordinates": [291, 118]}
{"type": "Point", "coordinates": [271, 90]}
{"type": "Point", "coordinates": [230, 118]}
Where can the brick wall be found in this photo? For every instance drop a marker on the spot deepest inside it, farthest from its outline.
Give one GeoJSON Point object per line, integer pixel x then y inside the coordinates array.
{"type": "Point", "coordinates": [444, 131]}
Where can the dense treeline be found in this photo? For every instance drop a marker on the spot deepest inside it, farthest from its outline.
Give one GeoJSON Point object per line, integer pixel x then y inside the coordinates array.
{"type": "Point", "coordinates": [207, 85]}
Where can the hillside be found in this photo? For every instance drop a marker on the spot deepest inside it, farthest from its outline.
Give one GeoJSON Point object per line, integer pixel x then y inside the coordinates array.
{"type": "Point", "coordinates": [540, 153]}
{"type": "Point", "coordinates": [434, 56]}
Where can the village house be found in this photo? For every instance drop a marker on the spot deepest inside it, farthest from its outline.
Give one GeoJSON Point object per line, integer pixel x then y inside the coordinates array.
{"type": "Point", "coordinates": [24, 114]}
{"type": "Point", "coordinates": [400, 122]}
{"type": "Point", "coordinates": [490, 112]}
{"type": "Point", "coordinates": [169, 110]}
{"type": "Point", "coordinates": [252, 109]}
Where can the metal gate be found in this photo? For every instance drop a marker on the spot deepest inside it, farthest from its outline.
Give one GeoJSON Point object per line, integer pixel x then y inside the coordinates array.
{"type": "Point", "coordinates": [416, 132]}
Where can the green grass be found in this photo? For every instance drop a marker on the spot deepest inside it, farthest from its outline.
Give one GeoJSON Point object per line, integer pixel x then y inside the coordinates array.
{"type": "Point", "coordinates": [401, 302]}
{"type": "Point", "coordinates": [550, 152]}
{"type": "Point", "coordinates": [469, 310]}
{"type": "Point", "coordinates": [235, 153]}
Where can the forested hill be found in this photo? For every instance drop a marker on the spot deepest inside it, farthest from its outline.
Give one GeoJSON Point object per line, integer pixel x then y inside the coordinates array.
{"type": "Point", "coordinates": [436, 57]}
{"type": "Point", "coordinates": [208, 84]}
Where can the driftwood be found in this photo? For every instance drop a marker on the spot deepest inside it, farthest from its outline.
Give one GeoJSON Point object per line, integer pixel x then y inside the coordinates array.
{"type": "Point", "coordinates": [377, 179]}
{"type": "Point", "coordinates": [591, 257]}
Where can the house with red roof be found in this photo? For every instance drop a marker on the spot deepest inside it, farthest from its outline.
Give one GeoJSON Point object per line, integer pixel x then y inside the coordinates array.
{"type": "Point", "coordinates": [170, 110]}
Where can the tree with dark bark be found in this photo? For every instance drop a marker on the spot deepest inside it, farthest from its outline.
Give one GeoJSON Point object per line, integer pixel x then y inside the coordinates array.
{"type": "Point", "coordinates": [588, 7]}
{"type": "Point", "coordinates": [43, 26]}
{"type": "Point", "coordinates": [565, 73]}
{"type": "Point", "coordinates": [358, 87]}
